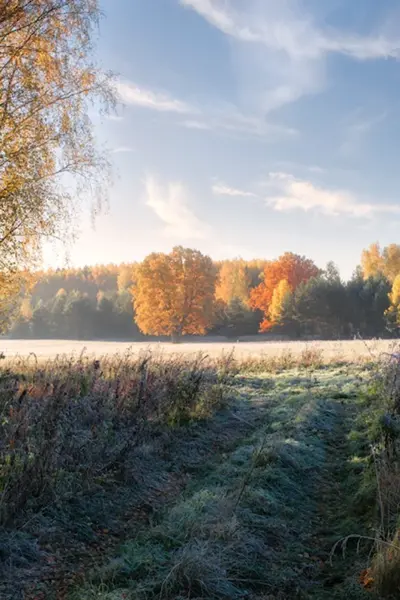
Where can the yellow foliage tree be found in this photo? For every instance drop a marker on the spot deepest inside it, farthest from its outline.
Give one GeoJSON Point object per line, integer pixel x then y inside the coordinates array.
{"type": "Point", "coordinates": [393, 312]}
{"type": "Point", "coordinates": [174, 293]}
{"type": "Point", "coordinates": [10, 285]}
{"type": "Point", "coordinates": [391, 258]}
{"type": "Point", "coordinates": [372, 262]}
{"type": "Point", "coordinates": [375, 261]}
{"type": "Point", "coordinates": [48, 81]}
{"type": "Point", "coordinates": [26, 311]}
{"type": "Point", "coordinates": [126, 277]}
{"type": "Point", "coordinates": [233, 282]}
{"type": "Point", "coordinates": [280, 294]}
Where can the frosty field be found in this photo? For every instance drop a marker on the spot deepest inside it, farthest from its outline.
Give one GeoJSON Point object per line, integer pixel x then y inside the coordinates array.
{"type": "Point", "coordinates": [348, 349]}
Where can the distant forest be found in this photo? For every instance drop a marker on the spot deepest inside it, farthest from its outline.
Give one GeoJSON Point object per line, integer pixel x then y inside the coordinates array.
{"type": "Point", "coordinates": [184, 293]}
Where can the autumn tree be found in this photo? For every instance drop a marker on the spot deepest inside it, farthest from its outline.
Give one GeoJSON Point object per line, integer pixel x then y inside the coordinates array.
{"type": "Point", "coordinates": [10, 285]}
{"type": "Point", "coordinates": [48, 82]}
{"type": "Point", "coordinates": [174, 293]}
{"type": "Point", "coordinates": [233, 282]}
{"type": "Point", "coordinates": [372, 261]}
{"type": "Point", "coordinates": [292, 268]}
{"type": "Point", "coordinates": [393, 312]}
{"type": "Point", "coordinates": [391, 258]}
{"type": "Point", "coordinates": [126, 277]}
{"type": "Point", "coordinates": [255, 269]}
{"type": "Point", "coordinates": [279, 298]}
{"type": "Point", "coordinates": [376, 262]}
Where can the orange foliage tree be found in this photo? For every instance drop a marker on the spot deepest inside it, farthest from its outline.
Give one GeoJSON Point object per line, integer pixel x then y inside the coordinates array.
{"type": "Point", "coordinates": [293, 269]}
{"type": "Point", "coordinates": [174, 293]}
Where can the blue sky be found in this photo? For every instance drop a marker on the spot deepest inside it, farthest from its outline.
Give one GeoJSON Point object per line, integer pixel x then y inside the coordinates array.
{"type": "Point", "coordinates": [249, 128]}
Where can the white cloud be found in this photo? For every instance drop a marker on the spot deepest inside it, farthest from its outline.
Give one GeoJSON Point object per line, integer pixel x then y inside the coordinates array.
{"type": "Point", "coordinates": [122, 149]}
{"type": "Point", "coordinates": [130, 93]}
{"type": "Point", "coordinates": [285, 26]}
{"type": "Point", "coordinates": [171, 203]}
{"type": "Point", "coordinates": [288, 193]}
{"type": "Point", "coordinates": [288, 48]}
{"type": "Point", "coordinates": [220, 189]}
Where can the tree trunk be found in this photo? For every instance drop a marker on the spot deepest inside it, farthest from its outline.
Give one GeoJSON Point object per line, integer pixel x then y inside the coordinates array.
{"type": "Point", "coordinates": [176, 337]}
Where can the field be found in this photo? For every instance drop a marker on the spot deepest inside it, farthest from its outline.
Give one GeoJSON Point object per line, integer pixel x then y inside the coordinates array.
{"type": "Point", "coordinates": [168, 476]}
{"type": "Point", "coordinates": [350, 350]}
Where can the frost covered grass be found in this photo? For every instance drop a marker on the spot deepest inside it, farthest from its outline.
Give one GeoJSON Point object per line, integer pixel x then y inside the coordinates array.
{"type": "Point", "coordinates": [260, 521]}
{"type": "Point", "coordinates": [186, 476]}
{"type": "Point", "coordinates": [346, 350]}
{"type": "Point", "coordinates": [73, 439]}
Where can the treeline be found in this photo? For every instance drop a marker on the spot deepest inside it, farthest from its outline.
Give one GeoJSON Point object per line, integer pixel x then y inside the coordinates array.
{"type": "Point", "coordinates": [89, 303]}
{"type": "Point", "coordinates": [186, 293]}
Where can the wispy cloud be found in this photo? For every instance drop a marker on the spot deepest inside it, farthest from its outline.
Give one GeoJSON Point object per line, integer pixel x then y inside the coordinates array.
{"type": "Point", "coordinates": [220, 189]}
{"type": "Point", "coordinates": [171, 203]}
{"type": "Point", "coordinates": [290, 165]}
{"type": "Point", "coordinates": [122, 150]}
{"type": "Point", "coordinates": [114, 118]}
{"type": "Point", "coordinates": [229, 119]}
{"type": "Point", "coordinates": [214, 116]}
{"type": "Point", "coordinates": [286, 193]}
{"type": "Point", "coordinates": [197, 124]}
{"type": "Point", "coordinates": [130, 93]}
{"type": "Point", "coordinates": [357, 130]}
{"type": "Point", "coordinates": [316, 169]}
{"type": "Point", "coordinates": [289, 47]}
{"type": "Point", "coordinates": [236, 124]}
{"type": "Point", "coordinates": [286, 26]}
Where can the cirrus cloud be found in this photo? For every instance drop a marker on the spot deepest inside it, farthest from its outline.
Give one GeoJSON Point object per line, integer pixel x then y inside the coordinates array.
{"type": "Point", "coordinates": [132, 94]}
{"type": "Point", "coordinates": [123, 150]}
{"type": "Point", "coordinates": [220, 189]}
{"type": "Point", "coordinates": [214, 116]}
{"type": "Point", "coordinates": [283, 49]}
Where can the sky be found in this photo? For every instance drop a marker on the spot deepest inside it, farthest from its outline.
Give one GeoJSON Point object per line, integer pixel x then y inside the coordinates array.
{"type": "Point", "coordinates": [248, 128]}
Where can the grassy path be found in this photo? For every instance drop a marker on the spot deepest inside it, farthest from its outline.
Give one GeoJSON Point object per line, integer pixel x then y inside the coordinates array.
{"type": "Point", "coordinates": [338, 511]}
{"type": "Point", "coordinates": [257, 520]}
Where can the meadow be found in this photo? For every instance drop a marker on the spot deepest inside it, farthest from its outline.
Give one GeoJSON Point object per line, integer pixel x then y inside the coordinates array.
{"type": "Point", "coordinates": [351, 350]}
{"type": "Point", "coordinates": [180, 475]}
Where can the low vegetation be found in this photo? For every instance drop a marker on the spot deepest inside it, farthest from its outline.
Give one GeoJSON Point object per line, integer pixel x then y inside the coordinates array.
{"type": "Point", "coordinates": [172, 477]}
{"type": "Point", "coordinates": [70, 428]}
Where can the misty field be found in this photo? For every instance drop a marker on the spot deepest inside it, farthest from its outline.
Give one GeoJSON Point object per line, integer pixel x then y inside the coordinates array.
{"type": "Point", "coordinates": [349, 350]}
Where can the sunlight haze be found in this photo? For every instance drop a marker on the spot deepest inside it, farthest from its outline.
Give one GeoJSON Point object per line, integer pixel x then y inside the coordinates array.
{"type": "Point", "coordinates": [248, 129]}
